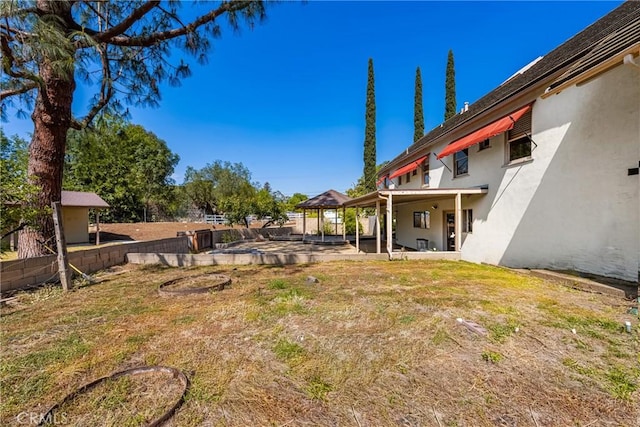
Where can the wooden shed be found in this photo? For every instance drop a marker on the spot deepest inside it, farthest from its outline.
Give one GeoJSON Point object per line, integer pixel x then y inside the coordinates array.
{"type": "Point", "coordinates": [75, 215]}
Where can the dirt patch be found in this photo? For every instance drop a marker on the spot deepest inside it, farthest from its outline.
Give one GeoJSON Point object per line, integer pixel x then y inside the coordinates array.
{"type": "Point", "coordinates": [151, 230]}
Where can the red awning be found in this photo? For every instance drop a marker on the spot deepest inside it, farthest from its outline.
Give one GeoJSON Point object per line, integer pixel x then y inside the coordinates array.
{"type": "Point", "coordinates": [408, 167]}
{"type": "Point", "coordinates": [504, 124]}
{"type": "Point", "coordinates": [381, 180]}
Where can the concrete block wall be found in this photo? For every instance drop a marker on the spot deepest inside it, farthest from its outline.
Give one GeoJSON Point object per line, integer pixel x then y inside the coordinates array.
{"type": "Point", "coordinates": [22, 273]}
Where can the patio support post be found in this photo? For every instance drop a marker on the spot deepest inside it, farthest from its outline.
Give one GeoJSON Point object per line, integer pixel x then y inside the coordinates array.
{"type": "Point", "coordinates": [390, 226]}
{"type": "Point", "coordinates": [378, 226]}
{"type": "Point", "coordinates": [357, 232]}
{"type": "Point", "coordinates": [458, 222]}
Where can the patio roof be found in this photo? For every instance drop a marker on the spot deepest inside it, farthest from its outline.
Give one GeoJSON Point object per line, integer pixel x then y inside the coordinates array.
{"type": "Point", "coordinates": [330, 199]}
{"type": "Point", "coordinates": [369, 200]}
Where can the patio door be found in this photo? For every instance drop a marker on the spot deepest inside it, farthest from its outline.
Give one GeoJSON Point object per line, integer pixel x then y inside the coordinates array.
{"type": "Point", "coordinates": [450, 230]}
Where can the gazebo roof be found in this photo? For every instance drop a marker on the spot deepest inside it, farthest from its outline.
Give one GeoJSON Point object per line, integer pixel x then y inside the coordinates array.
{"type": "Point", "coordinates": [328, 200]}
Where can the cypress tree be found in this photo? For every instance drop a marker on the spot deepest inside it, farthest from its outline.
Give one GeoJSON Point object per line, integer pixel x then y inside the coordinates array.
{"type": "Point", "coordinates": [450, 88]}
{"type": "Point", "coordinates": [370, 133]}
{"type": "Point", "coordinates": [418, 114]}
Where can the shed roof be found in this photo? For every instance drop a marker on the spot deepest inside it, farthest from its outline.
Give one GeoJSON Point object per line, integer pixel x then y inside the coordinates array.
{"type": "Point", "coordinates": [614, 25]}
{"type": "Point", "coordinates": [82, 199]}
{"type": "Point", "coordinates": [330, 199]}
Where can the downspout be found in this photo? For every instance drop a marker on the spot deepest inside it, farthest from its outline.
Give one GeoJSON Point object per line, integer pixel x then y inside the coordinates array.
{"type": "Point", "coordinates": [629, 60]}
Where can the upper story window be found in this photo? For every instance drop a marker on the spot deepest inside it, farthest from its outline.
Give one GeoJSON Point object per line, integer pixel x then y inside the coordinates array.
{"type": "Point", "coordinates": [407, 177]}
{"type": "Point", "coordinates": [518, 145]}
{"type": "Point", "coordinates": [399, 180]}
{"type": "Point", "coordinates": [425, 172]}
{"type": "Point", "coordinates": [484, 145]}
{"type": "Point", "coordinates": [519, 148]}
{"type": "Point", "coordinates": [461, 162]}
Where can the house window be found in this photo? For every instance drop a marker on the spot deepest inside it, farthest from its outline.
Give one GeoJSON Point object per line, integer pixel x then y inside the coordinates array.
{"type": "Point", "coordinates": [425, 172]}
{"type": "Point", "coordinates": [518, 142]}
{"type": "Point", "coordinates": [415, 172]}
{"type": "Point", "coordinates": [422, 219]}
{"type": "Point", "coordinates": [461, 162]}
{"type": "Point", "coordinates": [399, 180]}
{"type": "Point", "coordinates": [407, 177]}
{"type": "Point", "coordinates": [467, 221]}
{"type": "Point", "coordinates": [519, 148]}
{"type": "Point", "coordinates": [484, 145]}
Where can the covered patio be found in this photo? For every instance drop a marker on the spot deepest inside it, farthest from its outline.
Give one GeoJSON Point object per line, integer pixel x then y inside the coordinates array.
{"type": "Point", "coordinates": [383, 201]}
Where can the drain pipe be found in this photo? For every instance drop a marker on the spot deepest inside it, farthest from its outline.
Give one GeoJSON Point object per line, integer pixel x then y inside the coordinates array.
{"type": "Point", "coordinates": [629, 60]}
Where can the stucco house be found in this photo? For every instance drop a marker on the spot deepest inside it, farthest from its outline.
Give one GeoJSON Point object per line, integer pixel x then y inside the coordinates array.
{"type": "Point", "coordinates": [541, 172]}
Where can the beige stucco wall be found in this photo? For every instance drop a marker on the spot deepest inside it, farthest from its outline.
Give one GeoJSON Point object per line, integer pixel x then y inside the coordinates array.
{"type": "Point", "coordinates": [75, 222]}
{"type": "Point", "coordinates": [573, 206]}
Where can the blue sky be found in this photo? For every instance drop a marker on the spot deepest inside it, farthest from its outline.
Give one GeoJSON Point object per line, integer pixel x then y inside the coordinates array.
{"type": "Point", "coordinates": [287, 99]}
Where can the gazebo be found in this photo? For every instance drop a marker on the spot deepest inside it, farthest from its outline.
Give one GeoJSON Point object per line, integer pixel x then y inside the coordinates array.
{"type": "Point", "coordinates": [330, 199]}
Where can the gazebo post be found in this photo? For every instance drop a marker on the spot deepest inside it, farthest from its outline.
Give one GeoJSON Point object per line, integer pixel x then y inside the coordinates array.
{"type": "Point", "coordinates": [318, 214]}
{"type": "Point", "coordinates": [97, 227]}
{"type": "Point", "coordinates": [321, 215]}
{"type": "Point", "coordinates": [344, 225]}
{"type": "Point", "coordinates": [304, 223]}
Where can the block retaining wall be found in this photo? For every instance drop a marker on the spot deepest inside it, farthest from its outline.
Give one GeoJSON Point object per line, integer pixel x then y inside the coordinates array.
{"type": "Point", "coordinates": [190, 260]}
{"type": "Point", "coordinates": [22, 273]}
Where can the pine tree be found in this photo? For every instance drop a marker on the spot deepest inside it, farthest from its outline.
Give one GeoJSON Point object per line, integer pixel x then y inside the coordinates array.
{"type": "Point", "coordinates": [370, 133]}
{"type": "Point", "coordinates": [123, 50]}
{"type": "Point", "coordinates": [418, 114]}
{"type": "Point", "coordinates": [450, 88]}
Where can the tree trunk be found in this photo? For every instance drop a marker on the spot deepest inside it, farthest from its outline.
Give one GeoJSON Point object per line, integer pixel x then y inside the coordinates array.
{"type": "Point", "coordinates": [51, 119]}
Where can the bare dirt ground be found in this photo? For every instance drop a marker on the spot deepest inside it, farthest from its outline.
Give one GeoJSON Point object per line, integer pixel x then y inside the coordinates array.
{"type": "Point", "coordinates": [150, 230]}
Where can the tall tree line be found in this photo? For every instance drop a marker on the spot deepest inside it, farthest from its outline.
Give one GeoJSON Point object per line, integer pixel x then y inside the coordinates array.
{"type": "Point", "coordinates": [450, 105]}
{"type": "Point", "coordinates": [370, 132]}
{"type": "Point", "coordinates": [418, 113]}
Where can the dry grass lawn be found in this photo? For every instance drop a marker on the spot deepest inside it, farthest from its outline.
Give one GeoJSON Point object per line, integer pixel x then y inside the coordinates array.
{"type": "Point", "coordinates": [371, 344]}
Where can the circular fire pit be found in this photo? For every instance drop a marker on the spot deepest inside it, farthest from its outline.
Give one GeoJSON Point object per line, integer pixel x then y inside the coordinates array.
{"type": "Point", "coordinates": [148, 394]}
{"type": "Point", "coordinates": [199, 284]}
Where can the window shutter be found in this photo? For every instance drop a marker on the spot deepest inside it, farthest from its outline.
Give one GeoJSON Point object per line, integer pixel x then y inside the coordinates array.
{"type": "Point", "coordinates": [522, 126]}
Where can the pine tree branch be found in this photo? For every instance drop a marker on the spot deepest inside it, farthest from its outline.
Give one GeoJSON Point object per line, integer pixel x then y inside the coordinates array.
{"type": "Point", "coordinates": [19, 90]}
{"type": "Point", "coordinates": [123, 26]}
{"type": "Point", "coordinates": [153, 38]}
{"type": "Point", "coordinates": [8, 62]}
{"type": "Point", "coordinates": [106, 92]}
